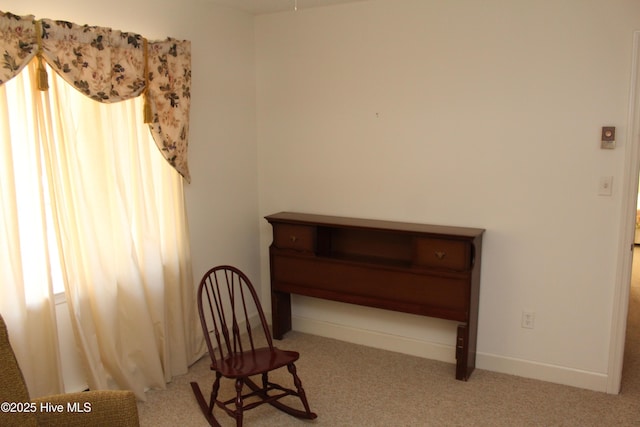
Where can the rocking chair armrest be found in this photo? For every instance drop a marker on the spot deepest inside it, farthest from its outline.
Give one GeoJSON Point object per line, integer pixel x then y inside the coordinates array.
{"type": "Point", "coordinates": [90, 408]}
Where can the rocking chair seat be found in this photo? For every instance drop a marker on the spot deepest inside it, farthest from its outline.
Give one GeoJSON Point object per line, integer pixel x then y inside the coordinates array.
{"type": "Point", "coordinates": [254, 362]}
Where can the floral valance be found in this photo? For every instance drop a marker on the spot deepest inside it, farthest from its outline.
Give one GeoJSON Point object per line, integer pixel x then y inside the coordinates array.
{"type": "Point", "coordinates": [110, 66]}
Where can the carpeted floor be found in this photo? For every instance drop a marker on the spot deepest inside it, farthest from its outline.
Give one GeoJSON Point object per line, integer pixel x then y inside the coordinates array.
{"type": "Point", "coordinates": [352, 385]}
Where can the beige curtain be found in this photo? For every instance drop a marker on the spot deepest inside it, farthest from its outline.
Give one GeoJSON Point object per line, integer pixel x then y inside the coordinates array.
{"type": "Point", "coordinates": [127, 263]}
{"type": "Point", "coordinates": [26, 296]}
{"type": "Point", "coordinates": [117, 210]}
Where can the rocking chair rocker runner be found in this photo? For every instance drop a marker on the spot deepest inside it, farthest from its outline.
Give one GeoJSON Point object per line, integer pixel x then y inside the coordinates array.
{"type": "Point", "coordinates": [227, 301]}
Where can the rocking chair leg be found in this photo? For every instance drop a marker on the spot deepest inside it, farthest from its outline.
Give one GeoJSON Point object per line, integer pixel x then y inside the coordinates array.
{"type": "Point", "coordinates": [239, 385]}
{"type": "Point", "coordinates": [203, 405]}
{"type": "Point", "coordinates": [214, 393]}
{"type": "Point", "coordinates": [296, 381]}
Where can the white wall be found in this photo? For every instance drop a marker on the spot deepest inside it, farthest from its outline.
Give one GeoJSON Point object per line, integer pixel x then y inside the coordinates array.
{"type": "Point", "coordinates": [222, 200]}
{"type": "Point", "coordinates": [483, 114]}
{"type": "Point", "coordinates": [461, 113]}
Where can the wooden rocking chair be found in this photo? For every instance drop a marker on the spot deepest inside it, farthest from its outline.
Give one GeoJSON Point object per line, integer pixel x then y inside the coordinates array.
{"type": "Point", "coordinates": [228, 301]}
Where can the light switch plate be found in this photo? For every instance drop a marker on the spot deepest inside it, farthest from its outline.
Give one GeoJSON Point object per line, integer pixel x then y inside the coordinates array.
{"type": "Point", "coordinates": [605, 186]}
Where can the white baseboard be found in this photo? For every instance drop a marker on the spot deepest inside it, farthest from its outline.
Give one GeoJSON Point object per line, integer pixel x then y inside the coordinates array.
{"type": "Point", "coordinates": [397, 343]}
{"type": "Point", "coordinates": [446, 353]}
{"type": "Point", "coordinates": [543, 371]}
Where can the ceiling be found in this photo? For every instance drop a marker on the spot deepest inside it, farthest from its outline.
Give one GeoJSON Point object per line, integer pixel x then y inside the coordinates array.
{"type": "Point", "coordinates": [259, 7]}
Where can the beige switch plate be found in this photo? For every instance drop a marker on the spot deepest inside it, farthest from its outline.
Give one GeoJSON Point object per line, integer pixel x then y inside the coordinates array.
{"type": "Point", "coordinates": [605, 186]}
